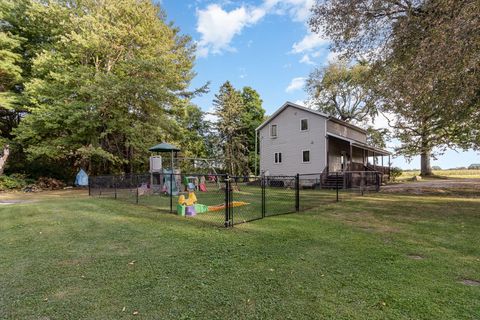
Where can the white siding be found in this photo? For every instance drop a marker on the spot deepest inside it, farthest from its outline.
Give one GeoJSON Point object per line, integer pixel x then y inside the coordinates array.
{"type": "Point", "coordinates": [290, 141]}
{"type": "Point", "coordinates": [347, 132]}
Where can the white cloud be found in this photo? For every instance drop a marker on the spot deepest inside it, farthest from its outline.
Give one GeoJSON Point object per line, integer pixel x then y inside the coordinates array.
{"type": "Point", "coordinates": [218, 27]}
{"type": "Point", "coordinates": [295, 84]}
{"type": "Point", "coordinates": [306, 59]}
{"type": "Point", "coordinates": [299, 10]}
{"type": "Point", "coordinates": [310, 42]}
{"type": "Point", "coordinates": [243, 73]}
{"type": "Point", "coordinates": [300, 103]}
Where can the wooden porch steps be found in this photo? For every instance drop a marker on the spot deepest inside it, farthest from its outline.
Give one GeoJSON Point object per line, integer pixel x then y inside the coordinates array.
{"type": "Point", "coordinates": [332, 181]}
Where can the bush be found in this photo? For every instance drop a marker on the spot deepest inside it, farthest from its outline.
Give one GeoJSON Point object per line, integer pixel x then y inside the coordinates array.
{"type": "Point", "coordinates": [395, 172]}
{"type": "Point", "coordinates": [13, 181]}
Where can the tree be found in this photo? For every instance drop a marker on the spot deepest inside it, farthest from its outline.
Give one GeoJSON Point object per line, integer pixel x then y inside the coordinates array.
{"type": "Point", "coordinates": [425, 54]}
{"type": "Point", "coordinates": [377, 137]}
{"type": "Point", "coordinates": [108, 88]}
{"type": "Point", "coordinates": [191, 134]}
{"type": "Point", "coordinates": [10, 78]}
{"type": "Point", "coordinates": [26, 28]}
{"type": "Point", "coordinates": [252, 116]}
{"type": "Point", "coordinates": [229, 109]}
{"type": "Point", "coordinates": [341, 91]}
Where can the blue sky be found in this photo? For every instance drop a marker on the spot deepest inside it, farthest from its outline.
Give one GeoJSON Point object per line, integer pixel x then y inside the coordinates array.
{"type": "Point", "coordinates": [265, 44]}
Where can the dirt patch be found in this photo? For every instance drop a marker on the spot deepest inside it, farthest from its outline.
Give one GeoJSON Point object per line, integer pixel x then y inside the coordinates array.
{"type": "Point", "coordinates": [43, 195]}
{"type": "Point", "coordinates": [470, 282]}
{"type": "Point", "coordinates": [7, 202]}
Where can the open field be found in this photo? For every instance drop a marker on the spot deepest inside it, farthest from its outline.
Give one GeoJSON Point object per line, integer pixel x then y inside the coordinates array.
{"type": "Point", "coordinates": [382, 256]}
{"type": "Point", "coordinates": [443, 174]}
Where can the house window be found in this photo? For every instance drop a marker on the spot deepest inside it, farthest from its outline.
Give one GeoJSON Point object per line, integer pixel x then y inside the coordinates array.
{"type": "Point", "coordinates": [273, 131]}
{"type": "Point", "coordinates": [304, 124]}
{"type": "Point", "coordinates": [278, 157]}
{"type": "Point", "coordinates": [306, 156]}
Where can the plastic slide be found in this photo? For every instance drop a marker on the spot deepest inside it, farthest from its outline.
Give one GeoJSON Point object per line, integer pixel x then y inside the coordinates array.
{"type": "Point", "coordinates": [231, 205]}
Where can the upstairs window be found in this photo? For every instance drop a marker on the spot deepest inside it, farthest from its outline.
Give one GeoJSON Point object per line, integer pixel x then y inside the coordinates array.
{"type": "Point", "coordinates": [306, 156]}
{"type": "Point", "coordinates": [304, 124]}
{"type": "Point", "coordinates": [273, 131]}
{"type": "Point", "coordinates": [278, 157]}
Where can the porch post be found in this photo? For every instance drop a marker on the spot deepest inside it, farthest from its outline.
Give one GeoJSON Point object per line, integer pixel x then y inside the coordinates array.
{"type": "Point", "coordinates": [328, 156]}
{"type": "Point", "coordinates": [382, 164]}
{"type": "Point", "coordinates": [389, 166]}
{"type": "Point", "coordinates": [374, 162]}
{"type": "Point", "coordinates": [351, 157]}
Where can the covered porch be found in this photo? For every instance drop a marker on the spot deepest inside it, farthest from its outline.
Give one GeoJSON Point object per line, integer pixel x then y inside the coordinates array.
{"type": "Point", "coordinates": [345, 155]}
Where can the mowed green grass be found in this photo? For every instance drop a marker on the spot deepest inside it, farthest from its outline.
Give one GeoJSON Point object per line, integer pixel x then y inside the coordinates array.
{"type": "Point", "coordinates": [280, 200]}
{"type": "Point", "coordinates": [372, 257]}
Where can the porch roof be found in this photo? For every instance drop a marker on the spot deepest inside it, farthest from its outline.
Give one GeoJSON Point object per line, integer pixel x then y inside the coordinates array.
{"type": "Point", "coordinates": [361, 145]}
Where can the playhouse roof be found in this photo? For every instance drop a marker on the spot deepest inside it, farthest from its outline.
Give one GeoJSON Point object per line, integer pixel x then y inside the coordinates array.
{"type": "Point", "coordinates": [163, 147]}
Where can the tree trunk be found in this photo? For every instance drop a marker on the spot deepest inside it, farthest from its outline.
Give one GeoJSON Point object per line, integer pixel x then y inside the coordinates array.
{"type": "Point", "coordinates": [426, 168]}
{"type": "Point", "coordinates": [3, 159]}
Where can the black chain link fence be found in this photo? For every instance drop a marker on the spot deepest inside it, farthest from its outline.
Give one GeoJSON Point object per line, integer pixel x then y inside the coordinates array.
{"type": "Point", "coordinates": [225, 200]}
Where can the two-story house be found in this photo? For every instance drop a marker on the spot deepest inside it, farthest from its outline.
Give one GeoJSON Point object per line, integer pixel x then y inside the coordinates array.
{"type": "Point", "coordinates": [296, 139]}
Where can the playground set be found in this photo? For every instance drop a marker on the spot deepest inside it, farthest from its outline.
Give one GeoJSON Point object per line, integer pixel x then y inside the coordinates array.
{"type": "Point", "coordinates": [213, 197]}
{"type": "Point", "coordinates": [169, 181]}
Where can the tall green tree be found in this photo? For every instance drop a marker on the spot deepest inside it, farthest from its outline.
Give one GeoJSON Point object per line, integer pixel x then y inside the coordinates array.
{"type": "Point", "coordinates": [10, 80]}
{"type": "Point", "coordinates": [229, 110]}
{"type": "Point", "coordinates": [26, 28]}
{"type": "Point", "coordinates": [425, 56]}
{"type": "Point", "coordinates": [108, 88]}
{"type": "Point", "coordinates": [10, 77]}
{"type": "Point", "coordinates": [344, 91]}
{"type": "Point", "coordinates": [252, 116]}
{"type": "Point", "coordinates": [191, 135]}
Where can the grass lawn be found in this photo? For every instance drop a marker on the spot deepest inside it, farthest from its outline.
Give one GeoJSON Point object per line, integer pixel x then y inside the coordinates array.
{"type": "Point", "coordinates": [382, 256]}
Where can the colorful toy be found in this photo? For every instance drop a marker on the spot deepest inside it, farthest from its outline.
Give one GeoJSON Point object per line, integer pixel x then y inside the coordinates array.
{"type": "Point", "coordinates": [189, 206]}
{"type": "Point", "coordinates": [231, 205]}
{"type": "Point", "coordinates": [202, 186]}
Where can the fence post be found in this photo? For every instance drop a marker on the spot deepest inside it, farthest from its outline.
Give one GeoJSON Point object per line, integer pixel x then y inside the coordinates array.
{"type": "Point", "coordinates": [90, 186]}
{"type": "Point", "coordinates": [362, 182]}
{"type": "Point", "coordinates": [115, 186]}
{"type": "Point", "coordinates": [227, 200]}
{"type": "Point", "coordinates": [336, 179]}
{"type": "Point", "coordinates": [171, 190]}
{"type": "Point", "coordinates": [297, 192]}
{"type": "Point", "coordinates": [263, 184]}
{"type": "Point", "coordinates": [378, 181]}
{"type": "Point", "coordinates": [136, 185]}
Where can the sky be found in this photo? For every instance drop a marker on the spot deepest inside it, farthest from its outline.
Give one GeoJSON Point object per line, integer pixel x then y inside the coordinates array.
{"type": "Point", "coordinates": [267, 45]}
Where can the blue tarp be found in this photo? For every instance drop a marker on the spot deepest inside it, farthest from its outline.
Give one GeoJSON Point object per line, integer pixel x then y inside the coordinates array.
{"type": "Point", "coordinates": [81, 179]}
